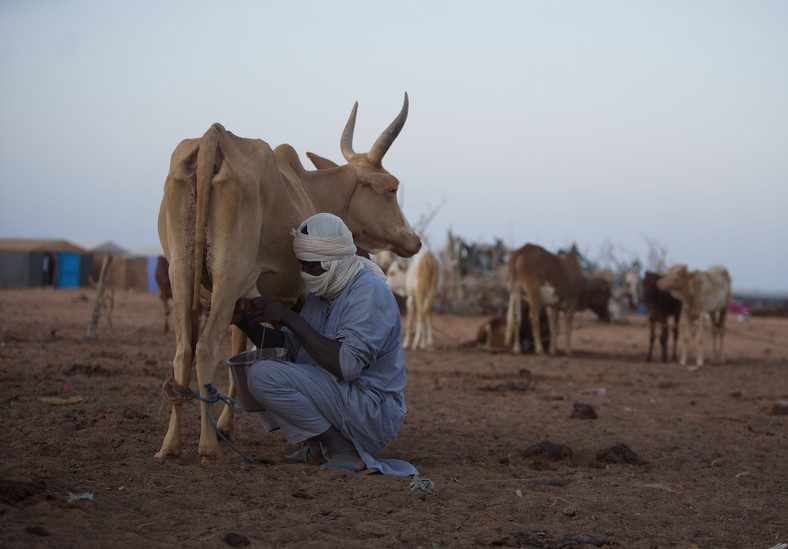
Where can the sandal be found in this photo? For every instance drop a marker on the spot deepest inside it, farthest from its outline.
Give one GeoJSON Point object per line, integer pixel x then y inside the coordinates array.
{"type": "Point", "coordinates": [305, 455]}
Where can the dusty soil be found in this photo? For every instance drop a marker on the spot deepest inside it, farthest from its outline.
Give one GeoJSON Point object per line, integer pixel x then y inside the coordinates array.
{"type": "Point", "coordinates": [673, 458]}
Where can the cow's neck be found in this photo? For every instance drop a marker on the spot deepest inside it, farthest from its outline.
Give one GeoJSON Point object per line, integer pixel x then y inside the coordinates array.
{"type": "Point", "coordinates": [331, 189]}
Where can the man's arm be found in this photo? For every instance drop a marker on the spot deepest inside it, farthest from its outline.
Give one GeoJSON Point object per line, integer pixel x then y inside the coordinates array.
{"type": "Point", "coordinates": [324, 350]}
{"type": "Point", "coordinates": [261, 336]}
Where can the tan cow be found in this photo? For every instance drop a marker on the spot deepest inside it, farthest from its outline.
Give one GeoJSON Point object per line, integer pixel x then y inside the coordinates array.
{"type": "Point", "coordinates": [417, 282]}
{"type": "Point", "coordinates": [225, 220]}
{"type": "Point", "coordinates": [700, 292]}
{"type": "Point", "coordinates": [555, 282]}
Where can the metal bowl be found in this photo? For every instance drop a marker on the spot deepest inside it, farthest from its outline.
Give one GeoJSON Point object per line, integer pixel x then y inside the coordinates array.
{"type": "Point", "coordinates": [240, 363]}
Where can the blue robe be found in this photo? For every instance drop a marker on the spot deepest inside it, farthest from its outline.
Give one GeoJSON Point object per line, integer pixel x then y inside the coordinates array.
{"type": "Point", "coordinates": [367, 403]}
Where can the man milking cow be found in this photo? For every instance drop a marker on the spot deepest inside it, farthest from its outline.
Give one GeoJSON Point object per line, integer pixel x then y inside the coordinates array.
{"type": "Point", "coordinates": [342, 396]}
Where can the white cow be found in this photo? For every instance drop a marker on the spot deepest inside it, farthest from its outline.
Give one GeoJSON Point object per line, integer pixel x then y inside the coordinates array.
{"type": "Point", "coordinates": [417, 282]}
{"type": "Point", "coordinates": [700, 292]}
{"type": "Point", "coordinates": [228, 208]}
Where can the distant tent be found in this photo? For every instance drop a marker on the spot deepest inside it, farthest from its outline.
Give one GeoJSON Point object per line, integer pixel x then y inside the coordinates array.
{"type": "Point", "coordinates": [25, 269]}
{"type": "Point", "coordinates": [125, 273]}
{"type": "Point", "coordinates": [40, 262]}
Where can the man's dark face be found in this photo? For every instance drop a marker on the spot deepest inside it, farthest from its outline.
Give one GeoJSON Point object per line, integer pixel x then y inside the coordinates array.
{"type": "Point", "coordinates": [312, 267]}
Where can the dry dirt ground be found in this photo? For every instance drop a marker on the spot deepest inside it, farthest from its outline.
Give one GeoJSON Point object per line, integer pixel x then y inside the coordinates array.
{"type": "Point", "coordinates": [673, 459]}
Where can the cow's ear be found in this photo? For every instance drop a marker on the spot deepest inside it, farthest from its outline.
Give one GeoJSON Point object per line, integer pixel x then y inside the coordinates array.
{"type": "Point", "coordinates": [320, 162]}
{"type": "Point", "coordinates": [381, 182]}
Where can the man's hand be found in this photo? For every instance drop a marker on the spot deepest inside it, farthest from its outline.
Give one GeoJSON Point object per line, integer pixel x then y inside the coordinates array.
{"type": "Point", "coordinates": [260, 309]}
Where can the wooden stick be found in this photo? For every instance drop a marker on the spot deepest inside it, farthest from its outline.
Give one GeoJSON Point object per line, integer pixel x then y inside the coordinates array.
{"type": "Point", "coordinates": [94, 318]}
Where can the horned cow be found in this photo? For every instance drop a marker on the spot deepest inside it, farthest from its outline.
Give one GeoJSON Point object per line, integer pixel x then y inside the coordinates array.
{"type": "Point", "coordinates": [228, 208]}
{"type": "Point", "coordinates": [555, 282]}
{"type": "Point", "coordinates": [700, 292]}
{"type": "Point", "coordinates": [661, 307]}
{"type": "Point", "coordinates": [418, 283]}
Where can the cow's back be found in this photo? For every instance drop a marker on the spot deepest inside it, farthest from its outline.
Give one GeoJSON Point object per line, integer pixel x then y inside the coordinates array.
{"type": "Point", "coordinates": [251, 209]}
{"type": "Point", "coordinates": [717, 288]}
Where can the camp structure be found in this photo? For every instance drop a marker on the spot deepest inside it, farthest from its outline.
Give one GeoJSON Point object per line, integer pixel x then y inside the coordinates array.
{"type": "Point", "coordinates": [131, 269]}
{"type": "Point", "coordinates": [33, 263]}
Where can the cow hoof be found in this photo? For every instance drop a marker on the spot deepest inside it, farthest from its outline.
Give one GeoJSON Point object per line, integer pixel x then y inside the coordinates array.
{"type": "Point", "coordinates": [166, 454]}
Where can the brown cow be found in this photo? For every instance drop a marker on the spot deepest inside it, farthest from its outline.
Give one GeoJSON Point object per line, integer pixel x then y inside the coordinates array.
{"type": "Point", "coordinates": [700, 292]}
{"type": "Point", "coordinates": [661, 306]}
{"type": "Point", "coordinates": [555, 282]}
{"type": "Point", "coordinates": [492, 333]}
{"type": "Point", "coordinates": [225, 225]}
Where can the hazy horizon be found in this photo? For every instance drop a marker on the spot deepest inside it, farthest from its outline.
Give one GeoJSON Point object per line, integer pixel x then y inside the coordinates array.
{"type": "Point", "coordinates": [608, 124]}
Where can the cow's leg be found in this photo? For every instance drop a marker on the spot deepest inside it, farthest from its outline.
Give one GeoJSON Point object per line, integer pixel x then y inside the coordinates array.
{"type": "Point", "coordinates": [699, 340]}
{"type": "Point", "coordinates": [421, 328]}
{"type": "Point", "coordinates": [552, 318]}
{"type": "Point", "coordinates": [418, 337]}
{"type": "Point", "coordinates": [410, 311]}
{"type": "Point", "coordinates": [568, 318]}
{"type": "Point", "coordinates": [534, 312]}
{"type": "Point", "coordinates": [685, 338]}
{"type": "Point", "coordinates": [675, 330]}
{"type": "Point", "coordinates": [428, 325]}
{"type": "Point", "coordinates": [225, 423]}
{"type": "Point", "coordinates": [663, 340]}
{"type": "Point", "coordinates": [652, 328]}
{"type": "Point", "coordinates": [182, 362]}
{"type": "Point", "coordinates": [513, 320]}
{"type": "Point", "coordinates": [718, 328]}
{"type": "Point", "coordinates": [721, 327]}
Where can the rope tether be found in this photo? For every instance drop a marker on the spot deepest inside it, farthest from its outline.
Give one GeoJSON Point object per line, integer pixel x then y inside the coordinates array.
{"type": "Point", "coordinates": [174, 391]}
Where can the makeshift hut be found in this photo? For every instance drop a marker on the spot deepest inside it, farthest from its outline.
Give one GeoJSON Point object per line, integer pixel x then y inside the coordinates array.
{"type": "Point", "coordinates": [129, 270]}
{"type": "Point", "coordinates": [43, 262]}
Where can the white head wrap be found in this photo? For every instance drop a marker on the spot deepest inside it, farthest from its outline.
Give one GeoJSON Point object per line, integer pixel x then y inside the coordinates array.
{"type": "Point", "coordinates": [330, 242]}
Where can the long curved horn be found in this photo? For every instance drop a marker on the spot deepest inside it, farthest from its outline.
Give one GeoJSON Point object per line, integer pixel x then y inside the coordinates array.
{"type": "Point", "coordinates": [388, 136]}
{"type": "Point", "coordinates": [346, 143]}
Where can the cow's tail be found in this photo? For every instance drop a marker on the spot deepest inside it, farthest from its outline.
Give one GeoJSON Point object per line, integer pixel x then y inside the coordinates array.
{"type": "Point", "coordinates": [207, 160]}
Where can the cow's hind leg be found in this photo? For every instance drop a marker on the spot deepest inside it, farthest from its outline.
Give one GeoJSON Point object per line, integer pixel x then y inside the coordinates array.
{"type": "Point", "coordinates": [552, 317]}
{"type": "Point", "coordinates": [181, 373]}
{"type": "Point", "coordinates": [652, 328]}
{"type": "Point", "coordinates": [226, 419]}
{"type": "Point", "coordinates": [685, 338]}
{"type": "Point", "coordinates": [410, 312]}
{"type": "Point", "coordinates": [717, 333]}
{"type": "Point", "coordinates": [568, 319]}
{"type": "Point", "coordinates": [675, 330]}
{"type": "Point", "coordinates": [663, 340]}
{"type": "Point", "coordinates": [513, 320]}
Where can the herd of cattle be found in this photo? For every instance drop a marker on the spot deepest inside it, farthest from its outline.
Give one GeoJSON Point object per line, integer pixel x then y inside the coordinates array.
{"type": "Point", "coordinates": [555, 285]}
{"type": "Point", "coordinates": [224, 224]}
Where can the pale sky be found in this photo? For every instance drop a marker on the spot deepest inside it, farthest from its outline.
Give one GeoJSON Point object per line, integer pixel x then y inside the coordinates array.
{"type": "Point", "coordinates": [596, 122]}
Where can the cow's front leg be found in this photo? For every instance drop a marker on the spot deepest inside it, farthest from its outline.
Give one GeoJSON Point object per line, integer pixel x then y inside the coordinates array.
{"type": "Point", "coordinates": [685, 338]}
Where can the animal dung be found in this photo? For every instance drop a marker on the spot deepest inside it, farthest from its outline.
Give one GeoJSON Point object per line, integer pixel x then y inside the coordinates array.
{"type": "Point", "coordinates": [583, 411]}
